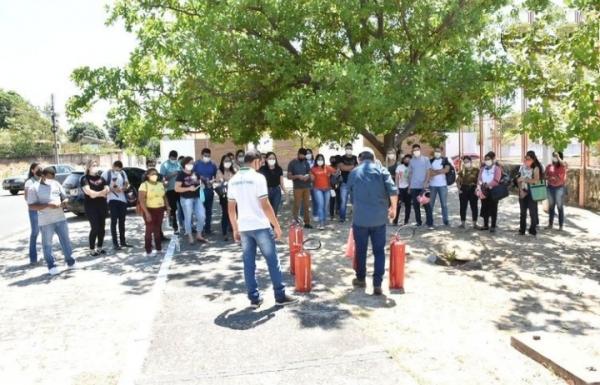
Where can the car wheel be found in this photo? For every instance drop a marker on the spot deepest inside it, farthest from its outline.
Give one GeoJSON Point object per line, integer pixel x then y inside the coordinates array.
{"type": "Point", "coordinates": [14, 192]}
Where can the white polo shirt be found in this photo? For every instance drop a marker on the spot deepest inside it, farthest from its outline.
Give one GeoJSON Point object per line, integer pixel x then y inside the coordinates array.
{"type": "Point", "coordinates": [246, 188]}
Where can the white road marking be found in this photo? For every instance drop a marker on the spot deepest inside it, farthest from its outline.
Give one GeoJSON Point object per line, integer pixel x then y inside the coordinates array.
{"type": "Point", "coordinates": [138, 347]}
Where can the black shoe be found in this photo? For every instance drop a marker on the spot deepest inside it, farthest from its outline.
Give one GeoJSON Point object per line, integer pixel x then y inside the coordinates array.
{"type": "Point", "coordinates": [484, 228]}
{"type": "Point", "coordinates": [287, 300]}
{"type": "Point", "coordinates": [94, 253]}
{"type": "Point", "coordinates": [359, 283]}
{"type": "Point", "coordinates": [123, 244]}
{"type": "Point", "coordinates": [164, 238]}
{"type": "Point", "coordinates": [492, 229]}
{"type": "Point", "coordinates": [308, 226]}
{"type": "Point", "coordinates": [521, 232]}
{"type": "Point", "coordinates": [117, 247]}
{"type": "Point", "coordinates": [255, 303]}
{"type": "Point", "coordinates": [377, 291]}
{"type": "Point", "coordinates": [102, 251]}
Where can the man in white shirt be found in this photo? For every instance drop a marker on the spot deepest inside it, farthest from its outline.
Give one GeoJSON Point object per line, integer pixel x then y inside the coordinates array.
{"type": "Point", "coordinates": [440, 166]}
{"type": "Point", "coordinates": [251, 218]}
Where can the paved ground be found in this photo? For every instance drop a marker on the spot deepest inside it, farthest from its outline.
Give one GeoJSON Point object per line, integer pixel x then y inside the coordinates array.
{"type": "Point", "coordinates": [15, 208]}
{"type": "Point", "coordinates": [120, 318]}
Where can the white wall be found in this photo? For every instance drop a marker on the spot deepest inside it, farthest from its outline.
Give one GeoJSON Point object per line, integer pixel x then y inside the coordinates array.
{"type": "Point", "coordinates": [185, 147]}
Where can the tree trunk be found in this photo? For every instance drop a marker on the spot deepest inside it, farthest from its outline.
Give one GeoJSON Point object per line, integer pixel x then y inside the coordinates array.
{"type": "Point", "coordinates": [393, 139]}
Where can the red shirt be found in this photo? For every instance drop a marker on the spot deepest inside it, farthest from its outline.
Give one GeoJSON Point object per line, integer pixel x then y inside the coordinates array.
{"type": "Point", "coordinates": [322, 175]}
{"type": "Point", "coordinates": [556, 175]}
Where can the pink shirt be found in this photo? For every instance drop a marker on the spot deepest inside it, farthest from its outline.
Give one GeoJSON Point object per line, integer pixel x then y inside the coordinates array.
{"type": "Point", "coordinates": [556, 175]}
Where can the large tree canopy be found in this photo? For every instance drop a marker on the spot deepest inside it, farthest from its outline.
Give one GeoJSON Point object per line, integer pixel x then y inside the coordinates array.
{"type": "Point", "coordinates": [328, 70]}
{"type": "Point", "coordinates": [80, 129]}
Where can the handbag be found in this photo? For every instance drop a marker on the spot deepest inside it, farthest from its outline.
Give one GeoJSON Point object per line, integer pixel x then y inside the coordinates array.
{"type": "Point", "coordinates": [499, 192]}
{"type": "Point", "coordinates": [538, 191]}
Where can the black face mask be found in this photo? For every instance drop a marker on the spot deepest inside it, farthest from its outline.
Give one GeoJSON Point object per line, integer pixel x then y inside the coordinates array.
{"type": "Point", "coordinates": [38, 173]}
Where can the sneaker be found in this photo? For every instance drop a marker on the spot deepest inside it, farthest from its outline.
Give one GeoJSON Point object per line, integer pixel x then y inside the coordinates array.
{"type": "Point", "coordinates": [377, 291]}
{"type": "Point", "coordinates": [151, 254]}
{"type": "Point", "coordinates": [287, 300]}
{"type": "Point", "coordinates": [462, 225]}
{"type": "Point", "coordinates": [560, 228]}
{"type": "Point", "coordinates": [256, 303]}
{"type": "Point", "coordinates": [117, 247]}
{"type": "Point", "coordinates": [431, 228]}
{"type": "Point", "coordinates": [102, 251]}
{"type": "Point", "coordinates": [321, 227]}
{"type": "Point", "coordinates": [484, 228]}
{"type": "Point", "coordinates": [73, 266]}
{"type": "Point", "coordinates": [53, 271]}
{"type": "Point", "coordinates": [123, 244]}
{"type": "Point", "coordinates": [94, 253]}
{"type": "Point", "coordinates": [359, 282]}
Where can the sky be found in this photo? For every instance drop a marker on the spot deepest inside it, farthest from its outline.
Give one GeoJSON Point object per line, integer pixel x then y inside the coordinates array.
{"type": "Point", "coordinates": [43, 41]}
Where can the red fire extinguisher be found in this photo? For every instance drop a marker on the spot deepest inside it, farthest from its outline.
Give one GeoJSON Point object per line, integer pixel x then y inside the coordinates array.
{"type": "Point", "coordinates": [397, 262]}
{"type": "Point", "coordinates": [303, 266]}
{"type": "Point", "coordinates": [295, 240]}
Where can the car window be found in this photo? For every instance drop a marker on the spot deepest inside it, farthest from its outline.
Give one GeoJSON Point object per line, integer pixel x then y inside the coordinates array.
{"type": "Point", "coordinates": [72, 180]}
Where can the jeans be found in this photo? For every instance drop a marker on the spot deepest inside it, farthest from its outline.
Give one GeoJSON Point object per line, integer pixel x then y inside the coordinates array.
{"type": "Point", "coordinates": [118, 213]}
{"type": "Point", "coordinates": [467, 197]}
{"type": "Point", "coordinates": [556, 198]}
{"type": "Point", "coordinates": [209, 197]}
{"type": "Point", "coordinates": [96, 213]}
{"type": "Point", "coordinates": [225, 225]}
{"type": "Point", "coordinates": [33, 236]}
{"type": "Point", "coordinates": [191, 207]}
{"type": "Point", "coordinates": [489, 209]}
{"type": "Point", "coordinates": [153, 228]}
{"type": "Point", "coordinates": [414, 193]}
{"type": "Point", "coordinates": [321, 200]}
{"type": "Point", "coordinates": [172, 198]}
{"type": "Point", "coordinates": [265, 240]}
{"type": "Point", "coordinates": [442, 191]}
{"type": "Point", "coordinates": [302, 196]}
{"type": "Point", "coordinates": [361, 239]}
{"type": "Point", "coordinates": [344, 193]}
{"type": "Point", "coordinates": [403, 199]}
{"type": "Point", "coordinates": [528, 204]}
{"type": "Point", "coordinates": [62, 230]}
{"type": "Point", "coordinates": [315, 209]}
{"type": "Point", "coordinates": [275, 198]}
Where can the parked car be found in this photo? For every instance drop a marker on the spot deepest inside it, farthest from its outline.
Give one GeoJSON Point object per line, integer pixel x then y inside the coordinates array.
{"type": "Point", "coordinates": [75, 196]}
{"type": "Point", "coordinates": [15, 184]}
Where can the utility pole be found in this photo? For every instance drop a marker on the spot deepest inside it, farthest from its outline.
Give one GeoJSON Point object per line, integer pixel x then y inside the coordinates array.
{"type": "Point", "coordinates": [54, 129]}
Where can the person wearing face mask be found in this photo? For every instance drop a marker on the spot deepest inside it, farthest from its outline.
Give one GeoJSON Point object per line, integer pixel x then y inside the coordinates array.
{"type": "Point", "coordinates": [347, 163]}
{"type": "Point", "coordinates": [299, 172]}
{"type": "Point", "coordinates": [117, 202]}
{"type": "Point", "coordinates": [556, 175]}
{"type": "Point", "coordinates": [402, 177]}
{"type": "Point", "coordinates": [191, 197]}
{"type": "Point", "coordinates": [239, 158]}
{"type": "Point", "coordinates": [207, 171]}
{"type": "Point", "coordinates": [310, 158]}
{"type": "Point", "coordinates": [273, 173]}
{"type": "Point", "coordinates": [255, 224]}
{"type": "Point", "coordinates": [47, 197]}
{"type": "Point", "coordinates": [392, 161]}
{"type": "Point", "coordinates": [334, 200]}
{"type": "Point", "coordinates": [438, 185]}
{"type": "Point", "coordinates": [418, 169]}
{"type": "Point", "coordinates": [530, 173]}
{"type": "Point", "coordinates": [170, 169]}
{"type": "Point", "coordinates": [224, 175]}
{"type": "Point", "coordinates": [466, 182]}
{"type": "Point", "coordinates": [321, 174]}
{"type": "Point", "coordinates": [153, 202]}
{"type": "Point", "coordinates": [95, 189]}
{"type": "Point", "coordinates": [489, 177]}
{"type": "Point", "coordinates": [35, 173]}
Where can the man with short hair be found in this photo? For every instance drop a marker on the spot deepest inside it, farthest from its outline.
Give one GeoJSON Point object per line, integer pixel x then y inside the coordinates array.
{"type": "Point", "coordinates": [418, 169]}
{"type": "Point", "coordinates": [117, 202]}
{"type": "Point", "coordinates": [440, 166]}
{"type": "Point", "coordinates": [374, 199]}
{"type": "Point", "coordinates": [346, 164]}
{"type": "Point", "coordinates": [251, 217]}
{"type": "Point", "coordinates": [170, 169]}
{"type": "Point", "coordinates": [299, 172]}
{"type": "Point", "coordinates": [48, 198]}
{"type": "Point", "coordinates": [206, 169]}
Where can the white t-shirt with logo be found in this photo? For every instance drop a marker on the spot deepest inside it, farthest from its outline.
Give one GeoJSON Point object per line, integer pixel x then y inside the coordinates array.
{"type": "Point", "coordinates": [438, 180]}
{"type": "Point", "coordinates": [402, 171]}
{"type": "Point", "coordinates": [118, 179]}
{"type": "Point", "coordinates": [246, 188]}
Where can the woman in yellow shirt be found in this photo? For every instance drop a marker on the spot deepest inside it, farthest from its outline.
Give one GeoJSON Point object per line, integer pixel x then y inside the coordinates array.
{"type": "Point", "coordinates": [153, 202]}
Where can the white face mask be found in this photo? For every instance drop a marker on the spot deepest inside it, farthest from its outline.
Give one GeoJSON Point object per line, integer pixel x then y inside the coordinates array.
{"type": "Point", "coordinates": [320, 162]}
{"type": "Point", "coordinates": [189, 167]}
{"type": "Point", "coordinates": [240, 159]}
{"type": "Point", "coordinates": [227, 164]}
{"type": "Point", "coordinates": [417, 153]}
{"type": "Point", "coordinates": [489, 163]}
{"type": "Point", "coordinates": [153, 178]}
{"type": "Point", "coordinates": [391, 157]}
{"type": "Point", "coordinates": [308, 156]}
{"type": "Point", "coordinates": [437, 155]}
{"type": "Point", "coordinates": [271, 162]}
{"type": "Point", "coordinates": [206, 159]}
{"type": "Point", "coordinates": [348, 151]}
{"type": "Point", "coordinates": [94, 170]}
{"type": "Point", "coordinates": [468, 164]}
{"type": "Point", "coordinates": [555, 160]}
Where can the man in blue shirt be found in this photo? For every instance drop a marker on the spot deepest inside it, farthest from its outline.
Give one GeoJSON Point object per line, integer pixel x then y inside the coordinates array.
{"type": "Point", "coordinates": [374, 199]}
{"type": "Point", "coordinates": [207, 171]}
{"type": "Point", "coordinates": [419, 167]}
{"type": "Point", "coordinates": [169, 170]}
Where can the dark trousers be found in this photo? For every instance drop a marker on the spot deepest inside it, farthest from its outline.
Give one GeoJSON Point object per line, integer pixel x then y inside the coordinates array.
{"type": "Point", "coordinates": [414, 193]}
{"type": "Point", "coordinates": [361, 239]}
{"type": "Point", "coordinates": [153, 228]}
{"type": "Point", "coordinates": [96, 213]}
{"type": "Point", "coordinates": [334, 203]}
{"type": "Point", "coordinates": [489, 209]}
{"type": "Point", "coordinates": [118, 213]}
{"type": "Point", "coordinates": [173, 198]}
{"type": "Point", "coordinates": [528, 204]}
{"type": "Point", "coordinates": [404, 198]}
{"type": "Point", "coordinates": [467, 197]}
{"type": "Point", "coordinates": [209, 197]}
{"type": "Point", "coordinates": [225, 225]}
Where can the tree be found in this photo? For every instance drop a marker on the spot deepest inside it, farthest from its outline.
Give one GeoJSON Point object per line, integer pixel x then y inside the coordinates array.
{"type": "Point", "coordinates": [114, 132]}
{"type": "Point", "coordinates": [558, 66]}
{"type": "Point", "coordinates": [328, 70]}
{"type": "Point", "coordinates": [81, 129]}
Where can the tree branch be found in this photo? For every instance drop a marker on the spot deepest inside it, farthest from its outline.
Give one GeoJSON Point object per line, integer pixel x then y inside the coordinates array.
{"type": "Point", "coordinates": [375, 142]}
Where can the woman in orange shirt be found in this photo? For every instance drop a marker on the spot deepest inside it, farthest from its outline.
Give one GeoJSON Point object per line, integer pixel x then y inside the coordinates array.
{"type": "Point", "coordinates": [320, 175]}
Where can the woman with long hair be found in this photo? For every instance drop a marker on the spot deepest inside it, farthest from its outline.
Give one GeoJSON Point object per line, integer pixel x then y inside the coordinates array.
{"type": "Point", "coordinates": [466, 182]}
{"type": "Point", "coordinates": [153, 202]}
{"type": "Point", "coordinates": [530, 172]}
{"type": "Point", "coordinates": [321, 177]}
{"type": "Point", "coordinates": [489, 177]}
{"type": "Point", "coordinates": [34, 175]}
{"type": "Point", "coordinates": [556, 175]}
{"type": "Point", "coordinates": [224, 174]}
{"type": "Point", "coordinates": [95, 190]}
{"type": "Point", "coordinates": [190, 187]}
{"type": "Point", "coordinates": [275, 183]}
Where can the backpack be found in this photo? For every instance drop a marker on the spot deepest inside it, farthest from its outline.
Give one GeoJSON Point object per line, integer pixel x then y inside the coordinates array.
{"type": "Point", "coordinates": [450, 175]}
